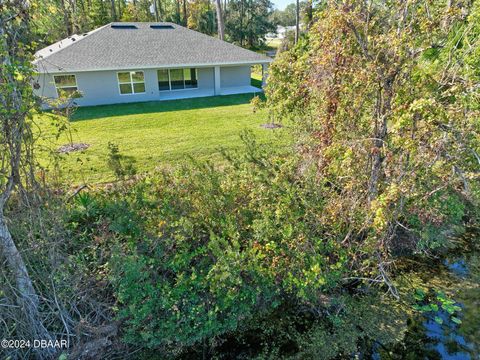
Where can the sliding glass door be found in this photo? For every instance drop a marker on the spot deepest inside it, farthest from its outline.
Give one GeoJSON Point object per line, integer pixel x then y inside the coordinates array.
{"type": "Point", "coordinates": [177, 79]}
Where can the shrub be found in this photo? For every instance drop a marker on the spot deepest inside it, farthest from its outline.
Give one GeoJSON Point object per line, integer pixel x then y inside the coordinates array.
{"type": "Point", "coordinates": [224, 247]}
{"type": "Point", "coordinates": [121, 165]}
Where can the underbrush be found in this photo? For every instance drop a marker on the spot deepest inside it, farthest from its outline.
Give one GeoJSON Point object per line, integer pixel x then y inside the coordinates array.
{"type": "Point", "coordinates": [240, 261]}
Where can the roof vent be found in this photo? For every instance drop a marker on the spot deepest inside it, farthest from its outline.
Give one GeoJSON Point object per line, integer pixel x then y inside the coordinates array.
{"type": "Point", "coordinates": [123, 26]}
{"type": "Point", "coordinates": [161, 26]}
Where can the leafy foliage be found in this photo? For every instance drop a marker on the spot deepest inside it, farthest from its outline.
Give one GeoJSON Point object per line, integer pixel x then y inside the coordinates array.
{"type": "Point", "coordinates": [383, 101]}
{"type": "Point", "coordinates": [247, 22]}
{"type": "Point", "coordinates": [375, 97]}
{"type": "Point", "coordinates": [121, 165]}
{"type": "Point", "coordinates": [208, 257]}
{"type": "Point", "coordinates": [222, 248]}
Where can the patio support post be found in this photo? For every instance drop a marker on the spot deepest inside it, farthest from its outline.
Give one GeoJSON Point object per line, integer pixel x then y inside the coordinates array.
{"type": "Point", "coordinates": [217, 80]}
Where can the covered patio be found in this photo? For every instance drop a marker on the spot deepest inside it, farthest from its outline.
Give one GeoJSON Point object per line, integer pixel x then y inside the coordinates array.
{"type": "Point", "coordinates": [218, 80]}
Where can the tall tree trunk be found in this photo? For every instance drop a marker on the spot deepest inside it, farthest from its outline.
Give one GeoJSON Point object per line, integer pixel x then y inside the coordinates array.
{"type": "Point", "coordinates": [161, 14]}
{"type": "Point", "coordinates": [220, 26]}
{"type": "Point", "coordinates": [242, 18]}
{"type": "Point", "coordinates": [114, 11]}
{"type": "Point", "coordinates": [74, 15]}
{"type": "Point", "coordinates": [119, 10]}
{"type": "Point", "coordinates": [297, 21]}
{"type": "Point", "coordinates": [383, 108]}
{"type": "Point", "coordinates": [83, 17]}
{"type": "Point", "coordinates": [185, 13]}
{"type": "Point", "coordinates": [66, 18]}
{"type": "Point", "coordinates": [177, 15]}
{"type": "Point", "coordinates": [27, 298]}
{"type": "Point", "coordinates": [155, 5]}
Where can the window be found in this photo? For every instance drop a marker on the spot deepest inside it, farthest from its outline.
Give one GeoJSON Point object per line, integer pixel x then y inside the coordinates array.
{"type": "Point", "coordinates": [131, 82]}
{"type": "Point", "coordinates": [177, 79]}
{"type": "Point", "coordinates": [65, 84]}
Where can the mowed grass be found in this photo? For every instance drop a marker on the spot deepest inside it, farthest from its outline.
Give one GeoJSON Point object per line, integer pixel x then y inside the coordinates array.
{"type": "Point", "coordinates": [154, 134]}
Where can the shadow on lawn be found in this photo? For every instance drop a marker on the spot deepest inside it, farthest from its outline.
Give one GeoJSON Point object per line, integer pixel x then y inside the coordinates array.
{"type": "Point", "coordinates": [95, 112]}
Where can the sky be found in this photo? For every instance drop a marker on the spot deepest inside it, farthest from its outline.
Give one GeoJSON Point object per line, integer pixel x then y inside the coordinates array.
{"type": "Point", "coordinates": [281, 4]}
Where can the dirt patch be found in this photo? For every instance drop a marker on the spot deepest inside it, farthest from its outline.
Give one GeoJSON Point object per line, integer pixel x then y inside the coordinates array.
{"type": "Point", "coordinates": [68, 148]}
{"type": "Point", "coordinates": [271, 126]}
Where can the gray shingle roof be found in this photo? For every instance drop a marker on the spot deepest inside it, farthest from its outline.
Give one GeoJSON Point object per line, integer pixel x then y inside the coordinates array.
{"type": "Point", "coordinates": [109, 48]}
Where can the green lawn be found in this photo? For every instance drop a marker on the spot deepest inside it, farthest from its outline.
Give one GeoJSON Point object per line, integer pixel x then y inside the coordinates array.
{"type": "Point", "coordinates": [154, 133]}
{"type": "Point", "coordinates": [273, 44]}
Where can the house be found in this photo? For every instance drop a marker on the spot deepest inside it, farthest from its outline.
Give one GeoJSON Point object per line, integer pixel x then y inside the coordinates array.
{"type": "Point", "coordinates": [282, 31]}
{"type": "Point", "coordinates": [131, 62]}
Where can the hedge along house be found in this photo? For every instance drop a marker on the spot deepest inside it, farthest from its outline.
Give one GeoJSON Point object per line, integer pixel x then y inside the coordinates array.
{"type": "Point", "coordinates": [131, 62]}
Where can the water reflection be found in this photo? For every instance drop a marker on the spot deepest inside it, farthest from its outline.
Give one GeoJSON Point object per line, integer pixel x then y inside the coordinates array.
{"type": "Point", "coordinates": [429, 338]}
{"type": "Point", "coordinates": [458, 267]}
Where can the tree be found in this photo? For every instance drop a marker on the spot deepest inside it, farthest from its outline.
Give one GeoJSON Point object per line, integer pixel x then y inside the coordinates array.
{"type": "Point", "coordinates": [386, 114]}
{"type": "Point", "coordinates": [155, 6]}
{"type": "Point", "coordinates": [297, 21]}
{"type": "Point", "coordinates": [201, 17]}
{"type": "Point", "coordinates": [185, 15]}
{"type": "Point", "coordinates": [308, 13]}
{"type": "Point", "coordinates": [249, 21]}
{"type": "Point", "coordinates": [114, 12]}
{"type": "Point", "coordinates": [220, 26]}
{"type": "Point", "coordinates": [285, 17]}
{"type": "Point", "coordinates": [17, 168]}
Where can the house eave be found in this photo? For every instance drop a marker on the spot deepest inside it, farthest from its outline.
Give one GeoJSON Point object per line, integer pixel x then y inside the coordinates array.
{"type": "Point", "coordinates": [168, 66]}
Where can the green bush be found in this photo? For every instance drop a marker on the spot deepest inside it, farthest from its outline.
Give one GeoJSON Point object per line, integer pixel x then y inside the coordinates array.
{"type": "Point", "coordinates": [122, 165]}
{"type": "Point", "coordinates": [204, 256]}
{"type": "Point", "coordinates": [221, 247]}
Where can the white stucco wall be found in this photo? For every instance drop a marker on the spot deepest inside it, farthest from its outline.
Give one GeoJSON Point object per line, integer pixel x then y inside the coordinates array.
{"type": "Point", "coordinates": [101, 87]}
{"type": "Point", "coordinates": [232, 76]}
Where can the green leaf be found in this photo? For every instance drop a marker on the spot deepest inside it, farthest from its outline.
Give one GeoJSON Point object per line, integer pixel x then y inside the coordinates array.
{"type": "Point", "coordinates": [449, 309]}
{"type": "Point", "coordinates": [419, 294]}
{"type": "Point", "coordinates": [426, 308]}
{"type": "Point", "coordinates": [441, 296]}
{"type": "Point", "coordinates": [438, 320]}
{"type": "Point", "coordinates": [456, 320]}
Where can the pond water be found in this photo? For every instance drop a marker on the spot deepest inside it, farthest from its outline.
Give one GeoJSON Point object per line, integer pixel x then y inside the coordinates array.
{"type": "Point", "coordinates": [436, 334]}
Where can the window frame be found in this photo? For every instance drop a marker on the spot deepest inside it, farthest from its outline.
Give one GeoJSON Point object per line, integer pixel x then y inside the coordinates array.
{"type": "Point", "coordinates": [131, 82]}
{"type": "Point", "coordinates": [183, 75]}
{"type": "Point", "coordinates": [64, 87]}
